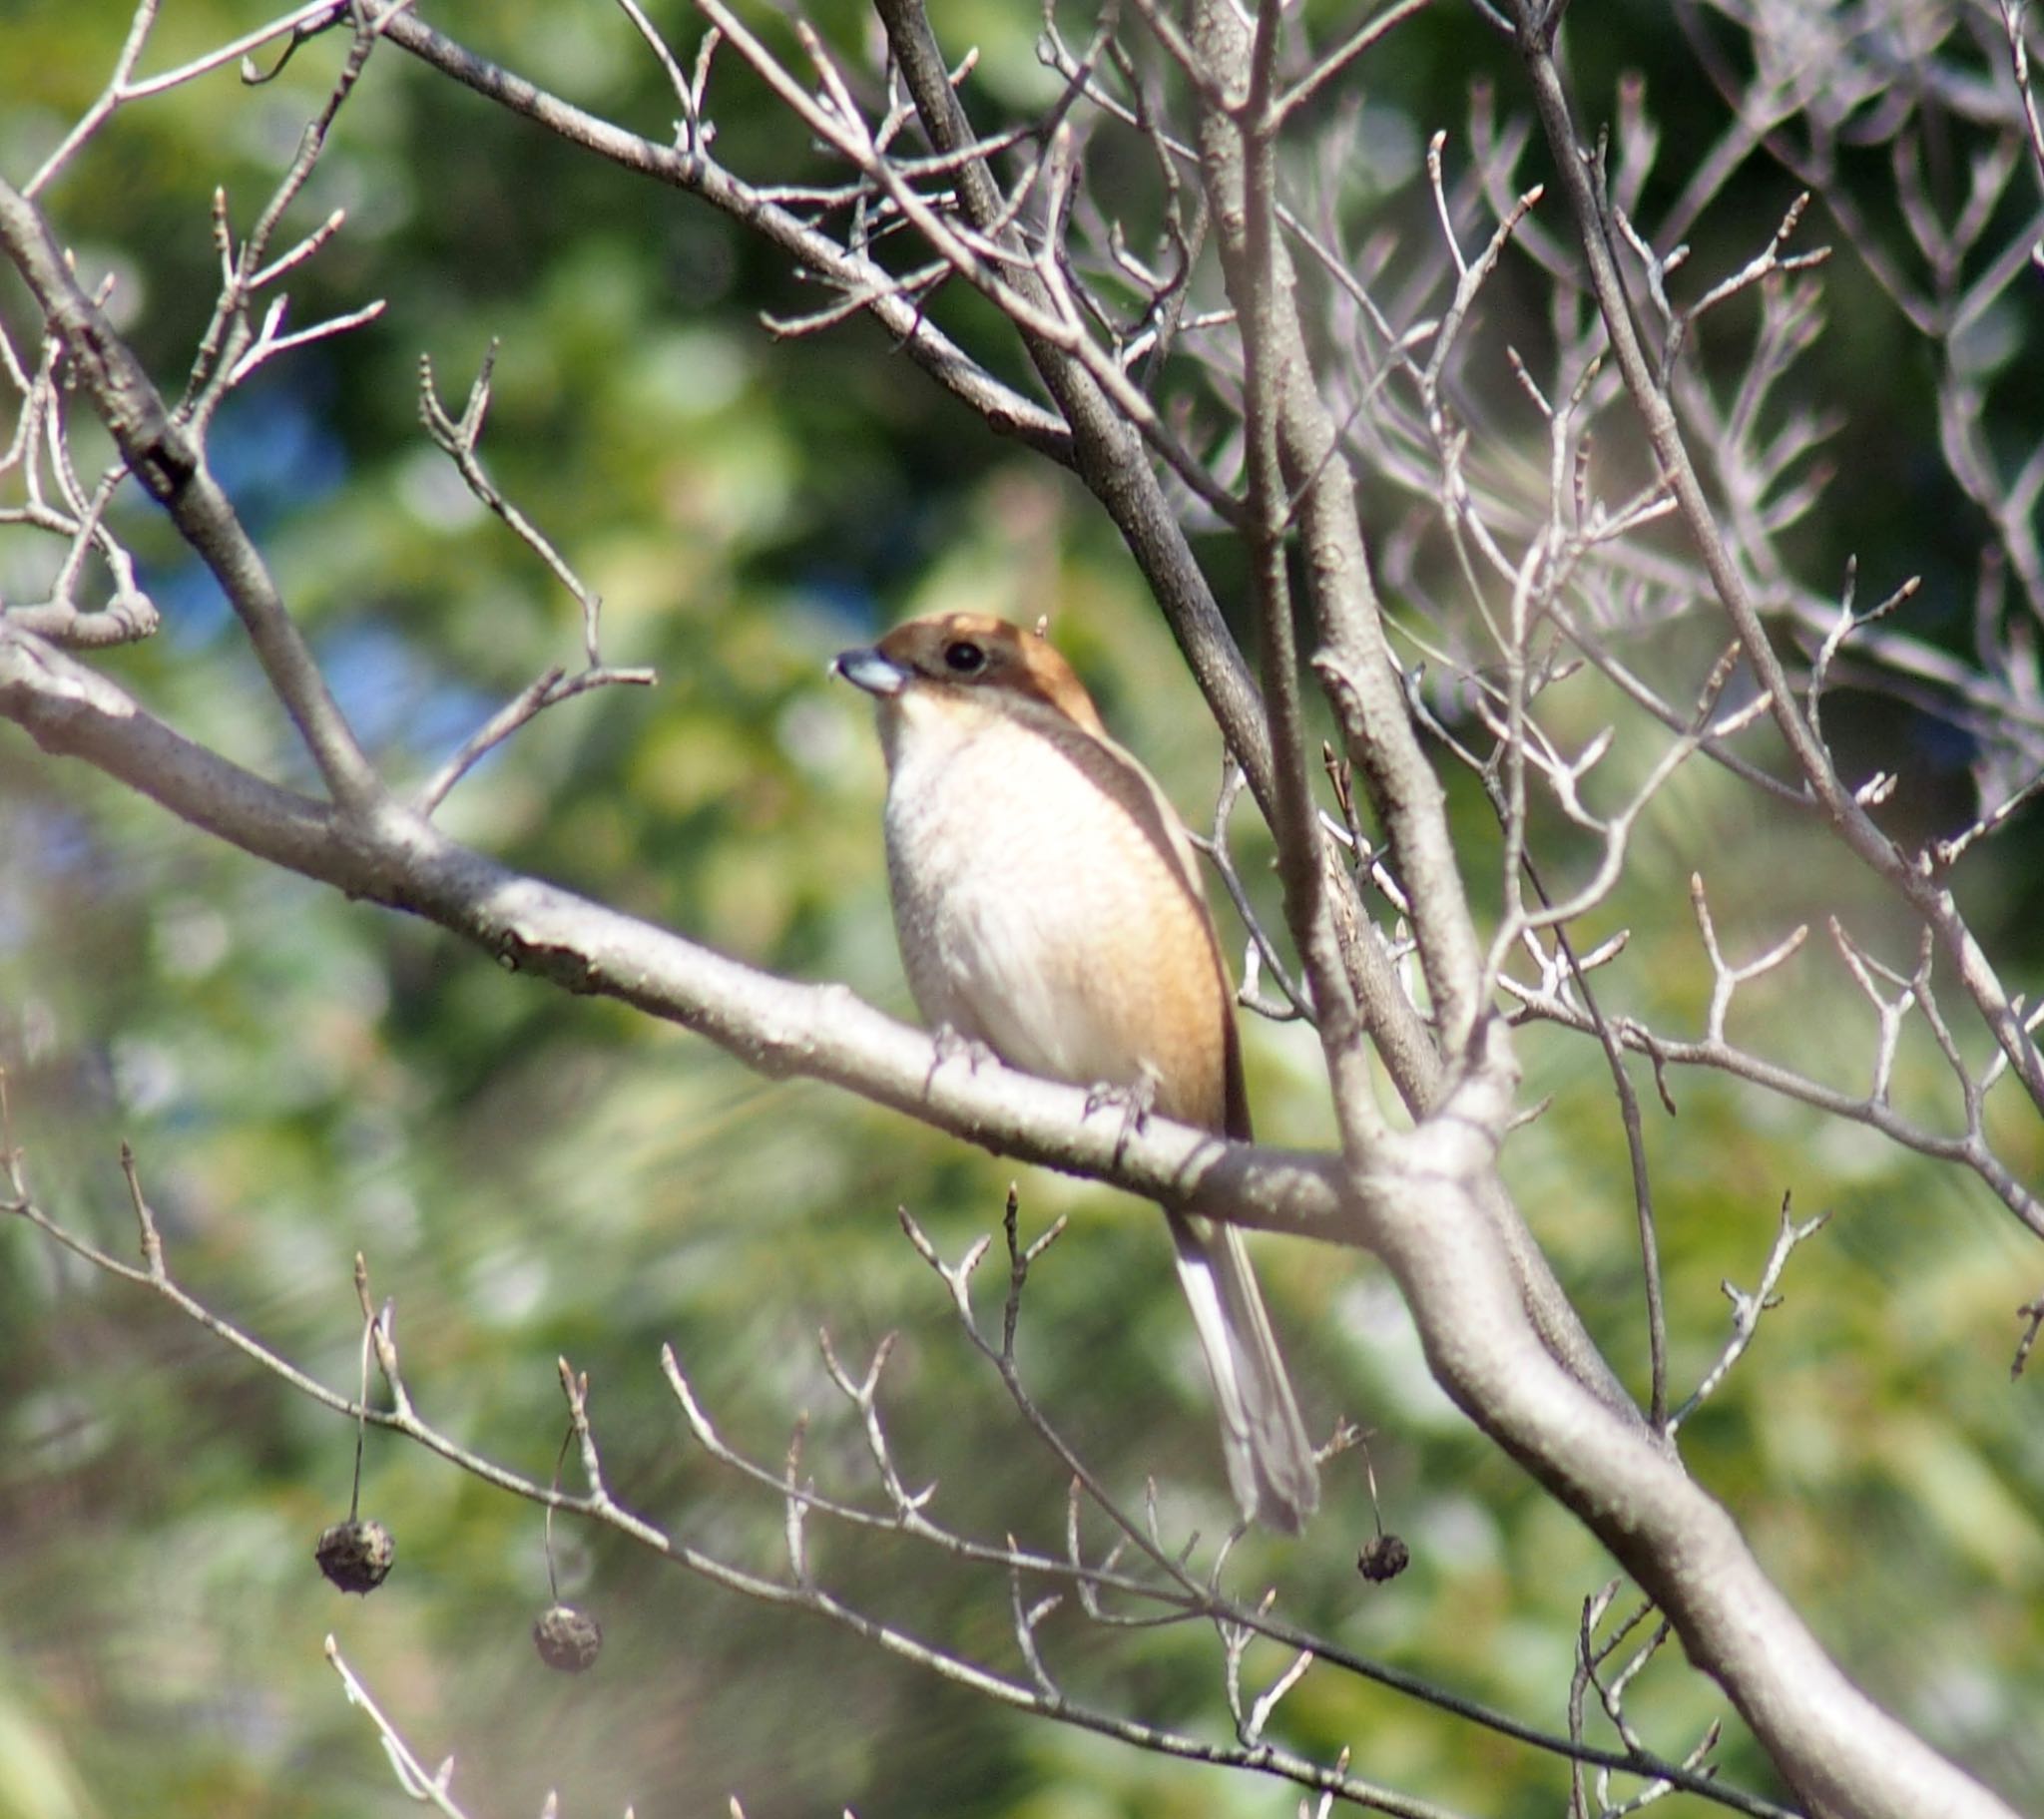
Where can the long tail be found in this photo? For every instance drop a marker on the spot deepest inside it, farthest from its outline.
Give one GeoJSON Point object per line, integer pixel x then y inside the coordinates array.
{"type": "Point", "coordinates": [1270, 1460]}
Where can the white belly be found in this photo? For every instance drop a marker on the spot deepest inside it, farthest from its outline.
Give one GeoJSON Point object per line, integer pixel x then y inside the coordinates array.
{"type": "Point", "coordinates": [1036, 913]}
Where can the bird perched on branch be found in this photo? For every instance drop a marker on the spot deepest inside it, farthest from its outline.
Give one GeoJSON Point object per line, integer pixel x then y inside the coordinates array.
{"type": "Point", "coordinates": [1048, 906]}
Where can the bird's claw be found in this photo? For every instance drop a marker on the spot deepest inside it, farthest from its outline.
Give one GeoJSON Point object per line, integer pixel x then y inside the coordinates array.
{"type": "Point", "coordinates": [1136, 1100]}
{"type": "Point", "coordinates": [950, 1044]}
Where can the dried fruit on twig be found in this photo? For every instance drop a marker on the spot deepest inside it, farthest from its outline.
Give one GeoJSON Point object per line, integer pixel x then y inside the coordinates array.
{"type": "Point", "coordinates": [1383, 1556]}
{"type": "Point", "coordinates": [569, 1641]}
{"type": "Point", "coordinates": [356, 1555]}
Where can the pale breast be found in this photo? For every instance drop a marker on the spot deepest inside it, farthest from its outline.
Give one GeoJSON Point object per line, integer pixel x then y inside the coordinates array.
{"type": "Point", "coordinates": [1047, 916]}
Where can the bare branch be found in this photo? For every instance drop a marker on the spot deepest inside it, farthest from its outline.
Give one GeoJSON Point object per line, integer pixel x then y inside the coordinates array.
{"type": "Point", "coordinates": [1901, 872]}
{"type": "Point", "coordinates": [1337, 61]}
{"type": "Point", "coordinates": [160, 452]}
{"type": "Point", "coordinates": [690, 167]}
{"type": "Point", "coordinates": [427, 1789]}
{"type": "Point", "coordinates": [1180, 1593]}
{"type": "Point", "coordinates": [1746, 1310]}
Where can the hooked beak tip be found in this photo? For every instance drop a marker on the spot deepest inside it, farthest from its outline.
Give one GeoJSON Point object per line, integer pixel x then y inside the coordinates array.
{"type": "Point", "coordinates": [871, 670]}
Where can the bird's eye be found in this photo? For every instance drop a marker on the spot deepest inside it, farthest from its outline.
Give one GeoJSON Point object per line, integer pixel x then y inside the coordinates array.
{"type": "Point", "coordinates": [965, 658]}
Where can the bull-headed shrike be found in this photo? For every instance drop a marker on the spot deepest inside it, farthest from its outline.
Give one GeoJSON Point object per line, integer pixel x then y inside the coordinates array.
{"type": "Point", "coordinates": [1048, 906]}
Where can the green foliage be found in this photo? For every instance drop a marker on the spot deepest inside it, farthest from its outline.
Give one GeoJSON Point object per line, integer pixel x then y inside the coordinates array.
{"type": "Point", "coordinates": [533, 1175]}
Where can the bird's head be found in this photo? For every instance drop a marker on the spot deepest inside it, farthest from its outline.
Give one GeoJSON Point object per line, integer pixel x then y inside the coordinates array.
{"type": "Point", "coordinates": [966, 666]}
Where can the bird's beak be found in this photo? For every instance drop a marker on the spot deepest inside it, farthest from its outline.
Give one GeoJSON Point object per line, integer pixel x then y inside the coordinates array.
{"type": "Point", "coordinates": [872, 670]}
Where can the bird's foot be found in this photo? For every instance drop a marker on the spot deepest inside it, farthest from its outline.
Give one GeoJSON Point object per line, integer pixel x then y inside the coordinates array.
{"type": "Point", "coordinates": [951, 1044]}
{"type": "Point", "coordinates": [1135, 1102]}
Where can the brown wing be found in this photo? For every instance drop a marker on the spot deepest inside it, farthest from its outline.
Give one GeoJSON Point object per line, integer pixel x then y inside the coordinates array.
{"type": "Point", "coordinates": [1143, 799]}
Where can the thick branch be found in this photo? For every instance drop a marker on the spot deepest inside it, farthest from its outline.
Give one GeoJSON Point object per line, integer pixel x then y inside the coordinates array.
{"type": "Point", "coordinates": [1267, 378]}
{"type": "Point", "coordinates": [1429, 1223]}
{"type": "Point", "coordinates": [1354, 656]}
{"type": "Point", "coordinates": [772, 1025]}
{"type": "Point", "coordinates": [1364, 686]}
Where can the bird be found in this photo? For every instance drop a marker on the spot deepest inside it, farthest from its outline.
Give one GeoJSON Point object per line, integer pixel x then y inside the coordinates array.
{"type": "Point", "coordinates": [1048, 907]}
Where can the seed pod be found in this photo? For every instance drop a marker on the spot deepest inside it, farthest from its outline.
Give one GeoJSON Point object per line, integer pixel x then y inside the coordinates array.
{"type": "Point", "coordinates": [1383, 1556]}
{"type": "Point", "coordinates": [569, 1641]}
{"type": "Point", "coordinates": [356, 1555]}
